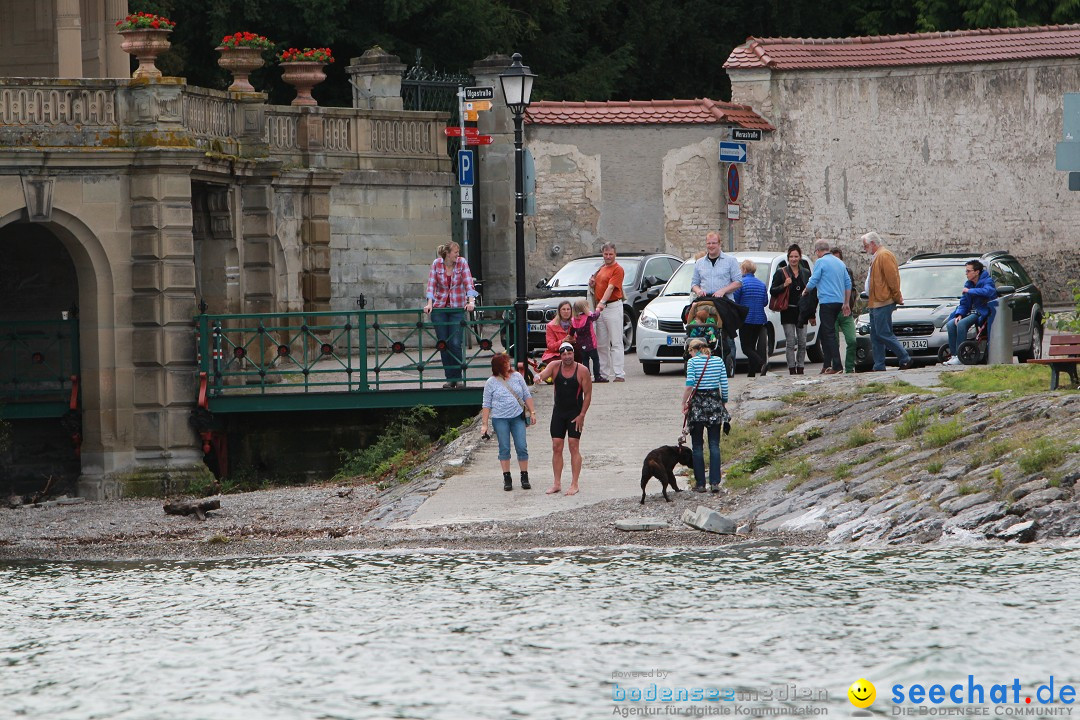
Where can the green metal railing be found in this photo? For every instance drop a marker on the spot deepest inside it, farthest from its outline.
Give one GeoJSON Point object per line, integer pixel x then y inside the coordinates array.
{"type": "Point", "coordinates": [337, 360]}
{"type": "Point", "coordinates": [39, 367]}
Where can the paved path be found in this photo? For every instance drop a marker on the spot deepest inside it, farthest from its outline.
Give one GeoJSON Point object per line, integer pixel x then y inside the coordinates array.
{"type": "Point", "coordinates": [625, 422]}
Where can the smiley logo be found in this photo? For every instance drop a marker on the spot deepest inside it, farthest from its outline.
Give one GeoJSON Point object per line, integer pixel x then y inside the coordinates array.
{"type": "Point", "coordinates": [862, 693]}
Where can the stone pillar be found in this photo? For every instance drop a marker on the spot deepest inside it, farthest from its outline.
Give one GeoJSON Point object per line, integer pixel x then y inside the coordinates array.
{"type": "Point", "coordinates": [167, 451]}
{"type": "Point", "coordinates": [68, 39]}
{"type": "Point", "coordinates": [495, 191]}
{"type": "Point", "coordinates": [257, 247]}
{"type": "Point", "coordinates": [117, 62]}
{"type": "Point", "coordinates": [376, 80]}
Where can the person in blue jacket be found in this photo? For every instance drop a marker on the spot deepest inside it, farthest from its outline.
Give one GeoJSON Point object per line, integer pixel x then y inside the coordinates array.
{"type": "Point", "coordinates": [978, 303]}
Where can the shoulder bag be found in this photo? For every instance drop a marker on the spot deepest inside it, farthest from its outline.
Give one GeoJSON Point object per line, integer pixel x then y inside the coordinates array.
{"type": "Point", "coordinates": [780, 301]}
{"type": "Point", "coordinates": [524, 416]}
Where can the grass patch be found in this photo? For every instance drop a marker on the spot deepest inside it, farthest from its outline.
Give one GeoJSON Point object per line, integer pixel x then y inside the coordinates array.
{"type": "Point", "coordinates": [796, 397]}
{"type": "Point", "coordinates": [1019, 379]}
{"type": "Point", "coordinates": [1042, 454]}
{"type": "Point", "coordinates": [767, 416]}
{"type": "Point", "coordinates": [398, 449]}
{"type": "Point", "coordinates": [934, 466]}
{"type": "Point", "coordinates": [942, 433]}
{"type": "Point", "coordinates": [762, 454]}
{"type": "Point", "coordinates": [841, 471]}
{"type": "Point", "coordinates": [912, 422]}
{"type": "Point", "coordinates": [966, 489]}
{"type": "Point", "coordinates": [859, 436]}
{"type": "Point", "coordinates": [896, 387]}
{"type": "Point", "coordinates": [888, 458]}
{"type": "Point", "coordinates": [799, 470]}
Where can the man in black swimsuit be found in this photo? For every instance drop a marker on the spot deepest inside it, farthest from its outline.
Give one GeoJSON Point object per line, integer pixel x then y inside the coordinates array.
{"type": "Point", "coordinates": [573, 393]}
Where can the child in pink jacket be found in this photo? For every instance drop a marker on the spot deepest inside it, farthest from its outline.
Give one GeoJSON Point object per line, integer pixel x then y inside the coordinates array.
{"type": "Point", "coordinates": [582, 322]}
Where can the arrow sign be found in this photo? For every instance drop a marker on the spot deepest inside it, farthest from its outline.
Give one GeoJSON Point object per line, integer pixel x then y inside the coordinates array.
{"type": "Point", "coordinates": [478, 139]}
{"type": "Point", "coordinates": [471, 115]}
{"type": "Point", "coordinates": [479, 105]}
{"type": "Point", "coordinates": [733, 152]}
{"type": "Point", "coordinates": [456, 132]}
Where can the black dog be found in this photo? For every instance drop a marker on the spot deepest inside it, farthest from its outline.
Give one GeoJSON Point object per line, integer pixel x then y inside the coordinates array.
{"type": "Point", "coordinates": [659, 464]}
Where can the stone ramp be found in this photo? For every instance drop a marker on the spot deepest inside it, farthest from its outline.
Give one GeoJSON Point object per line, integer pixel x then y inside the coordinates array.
{"type": "Point", "coordinates": [625, 421]}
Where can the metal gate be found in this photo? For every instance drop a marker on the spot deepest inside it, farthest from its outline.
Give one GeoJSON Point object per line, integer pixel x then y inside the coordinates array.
{"type": "Point", "coordinates": [433, 90]}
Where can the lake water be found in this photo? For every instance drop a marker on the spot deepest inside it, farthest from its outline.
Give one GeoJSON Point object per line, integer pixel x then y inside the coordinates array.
{"type": "Point", "coordinates": [530, 635]}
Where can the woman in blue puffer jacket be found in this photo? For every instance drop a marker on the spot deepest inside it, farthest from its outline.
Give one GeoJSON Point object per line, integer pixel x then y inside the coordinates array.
{"type": "Point", "coordinates": [978, 303]}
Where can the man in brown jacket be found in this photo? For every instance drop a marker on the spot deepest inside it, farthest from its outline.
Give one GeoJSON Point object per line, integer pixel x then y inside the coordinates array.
{"type": "Point", "coordinates": [883, 288]}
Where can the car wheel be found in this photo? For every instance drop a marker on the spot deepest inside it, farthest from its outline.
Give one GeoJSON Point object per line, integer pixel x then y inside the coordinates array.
{"type": "Point", "coordinates": [944, 354]}
{"type": "Point", "coordinates": [1034, 351]}
{"type": "Point", "coordinates": [628, 330]}
{"type": "Point", "coordinates": [813, 352]}
{"type": "Point", "coordinates": [650, 368]}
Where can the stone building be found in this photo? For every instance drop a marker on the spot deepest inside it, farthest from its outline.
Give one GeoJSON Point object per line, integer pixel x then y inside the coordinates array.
{"type": "Point", "coordinates": [939, 142]}
{"type": "Point", "coordinates": [125, 204]}
{"type": "Point", "coordinates": [643, 174]}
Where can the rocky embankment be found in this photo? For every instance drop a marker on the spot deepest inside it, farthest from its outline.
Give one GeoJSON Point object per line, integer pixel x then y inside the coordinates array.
{"type": "Point", "coordinates": [887, 462]}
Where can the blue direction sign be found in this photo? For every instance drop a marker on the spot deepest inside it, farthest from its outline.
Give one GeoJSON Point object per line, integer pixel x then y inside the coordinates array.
{"type": "Point", "coordinates": [466, 168]}
{"type": "Point", "coordinates": [733, 152]}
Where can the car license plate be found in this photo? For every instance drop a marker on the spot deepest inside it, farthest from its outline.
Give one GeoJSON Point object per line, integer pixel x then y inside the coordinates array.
{"type": "Point", "coordinates": [537, 327]}
{"type": "Point", "coordinates": [914, 344]}
{"type": "Point", "coordinates": [676, 340]}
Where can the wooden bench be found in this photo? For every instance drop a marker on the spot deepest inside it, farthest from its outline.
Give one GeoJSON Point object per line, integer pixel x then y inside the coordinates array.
{"type": "Point", "coordinates": [1064, 355]}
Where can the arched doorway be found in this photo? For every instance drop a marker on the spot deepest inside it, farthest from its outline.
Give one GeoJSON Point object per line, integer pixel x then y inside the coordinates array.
{"type": "Point", "coordinates": [39, 361]}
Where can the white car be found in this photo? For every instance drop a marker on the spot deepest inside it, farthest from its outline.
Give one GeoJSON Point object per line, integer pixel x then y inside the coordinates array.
{"type": "Point", "coordinates": [660, 332]}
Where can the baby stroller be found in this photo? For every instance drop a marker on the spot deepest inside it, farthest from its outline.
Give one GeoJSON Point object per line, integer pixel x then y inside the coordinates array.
{"type": "Point", "coordinates": [718, 345]}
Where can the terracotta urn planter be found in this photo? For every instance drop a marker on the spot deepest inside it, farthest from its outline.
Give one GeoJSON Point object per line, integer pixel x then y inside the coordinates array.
{"type": "Point", "coordinates": [146, 44]}
{"type": "Point", "coordinates": [303, 75]}
{"type": "Point", "coordinates": [241, 62]}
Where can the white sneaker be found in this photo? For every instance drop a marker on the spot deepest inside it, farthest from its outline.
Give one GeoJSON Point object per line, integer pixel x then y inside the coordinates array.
{"type": "Point", "coordinates": [953, 361]}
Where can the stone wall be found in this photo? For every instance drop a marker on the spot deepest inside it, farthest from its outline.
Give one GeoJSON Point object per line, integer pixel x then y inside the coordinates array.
{"type": "Point", "coordinates": [644, 187]}
{"type": "Point", "coordinates": [385, 227]}
{"type": "Point", "coordinates": [949, 158]}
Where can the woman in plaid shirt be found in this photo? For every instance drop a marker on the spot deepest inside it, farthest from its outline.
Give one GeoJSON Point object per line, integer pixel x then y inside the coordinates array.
{"type": "Point", "coordinates": [450, 293]}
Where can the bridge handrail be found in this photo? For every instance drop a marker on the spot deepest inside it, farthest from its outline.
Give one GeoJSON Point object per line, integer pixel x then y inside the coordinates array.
{"type": "Point", "coordinates": [353, 351]}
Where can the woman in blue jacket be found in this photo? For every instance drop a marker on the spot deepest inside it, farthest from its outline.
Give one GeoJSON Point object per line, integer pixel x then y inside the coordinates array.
{"type": "Point", "coordinates": [978, 303]}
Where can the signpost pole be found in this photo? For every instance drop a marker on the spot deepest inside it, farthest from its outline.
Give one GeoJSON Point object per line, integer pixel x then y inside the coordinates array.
{"type": "Point", "coordinates": [461, 124]}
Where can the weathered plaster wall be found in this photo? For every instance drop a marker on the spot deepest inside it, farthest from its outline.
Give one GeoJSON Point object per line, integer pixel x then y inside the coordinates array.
{"type": "Point", "coordinates": [385, 228]}
{"type": "Point", "coordinates": [643, 187]}
{"type": "Point", "coordinates": [933, 158]}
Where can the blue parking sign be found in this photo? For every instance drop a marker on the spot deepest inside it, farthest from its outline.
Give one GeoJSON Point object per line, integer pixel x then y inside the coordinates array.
{"type": "Point", "coordinates": [466, 170]}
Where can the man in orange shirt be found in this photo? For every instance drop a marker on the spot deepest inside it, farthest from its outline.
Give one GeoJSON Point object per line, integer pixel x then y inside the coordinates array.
{"type": "Point", "coordinates": [607, 285]}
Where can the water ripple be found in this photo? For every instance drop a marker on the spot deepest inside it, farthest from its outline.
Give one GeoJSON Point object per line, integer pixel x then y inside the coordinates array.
{"type": "Point", "coordinates": [530, 635]}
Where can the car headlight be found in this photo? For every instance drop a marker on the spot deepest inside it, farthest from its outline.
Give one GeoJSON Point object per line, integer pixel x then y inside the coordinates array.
{"type": "Point", "coordinates": [648, 320]}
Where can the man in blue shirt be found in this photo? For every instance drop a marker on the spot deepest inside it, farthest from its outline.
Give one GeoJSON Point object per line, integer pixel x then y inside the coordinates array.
{"type": "Point", "coordinates": [716, 275]}
{"type": "Point", "coordinates": [832, 282]}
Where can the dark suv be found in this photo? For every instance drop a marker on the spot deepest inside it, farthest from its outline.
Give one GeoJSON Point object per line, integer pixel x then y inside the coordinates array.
{"type": "Point", "coordinates": [932, 283]}
{"type": "Point", "coordinates": [644, 275]}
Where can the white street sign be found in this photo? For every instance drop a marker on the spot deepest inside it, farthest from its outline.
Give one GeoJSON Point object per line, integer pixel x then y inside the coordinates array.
{"type": "Point", "coordinates": [466, 211]}
{"type": "Point", "coordinates": [466, 194]}
{"type": "Point", "coordinates": [732, 211]}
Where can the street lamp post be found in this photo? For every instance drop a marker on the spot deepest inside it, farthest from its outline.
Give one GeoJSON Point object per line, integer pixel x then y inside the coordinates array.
{"type": "Point", "coordinates": [517, 82]}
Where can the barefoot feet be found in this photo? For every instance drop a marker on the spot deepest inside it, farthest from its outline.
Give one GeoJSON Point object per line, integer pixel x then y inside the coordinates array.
{"type": "Point", "coordinates": [553, 489]}
{"type": "Point", "coordinates": [573, 490]}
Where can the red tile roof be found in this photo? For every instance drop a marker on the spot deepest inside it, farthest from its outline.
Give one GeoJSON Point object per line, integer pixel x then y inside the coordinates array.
{"type": "Point", "coordinates": [941, 48]}
{"type": "Point", "coordinates": [645, 112]}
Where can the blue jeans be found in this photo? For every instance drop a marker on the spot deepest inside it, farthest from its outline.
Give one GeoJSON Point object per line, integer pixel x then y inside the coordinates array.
{"type": "Point", "coordinates": [505, 428]}
{"type": "Point", "coordinates": [882, 337]}
{"type": "Point", "coordinates": [958, 332]}
{"type": "Point", "coordinates": [697, 431]}
{"type": "Point", "coordinates": [448, 327]}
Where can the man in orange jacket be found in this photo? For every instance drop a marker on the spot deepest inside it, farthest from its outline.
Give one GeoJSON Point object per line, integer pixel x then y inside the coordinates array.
{"type": "Point", "coordinates": [883, 288]}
